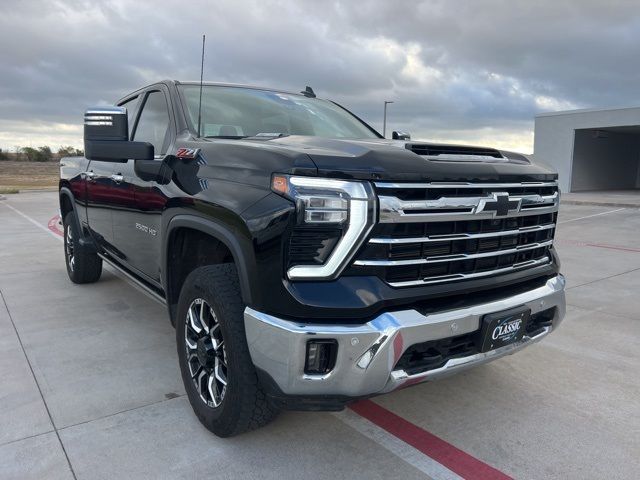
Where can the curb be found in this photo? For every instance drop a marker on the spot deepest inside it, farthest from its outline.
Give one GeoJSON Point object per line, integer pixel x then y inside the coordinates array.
{"type": "Point", "coordinates": [39, 190]}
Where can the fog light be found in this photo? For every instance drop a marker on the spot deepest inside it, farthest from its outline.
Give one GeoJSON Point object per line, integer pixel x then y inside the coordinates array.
{"type": "Point", "coordinates": [321, 356]}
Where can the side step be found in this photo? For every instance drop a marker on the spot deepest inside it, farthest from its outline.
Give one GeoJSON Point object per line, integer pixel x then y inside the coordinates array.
{"type": "Point", "coordinates": [150, 291]}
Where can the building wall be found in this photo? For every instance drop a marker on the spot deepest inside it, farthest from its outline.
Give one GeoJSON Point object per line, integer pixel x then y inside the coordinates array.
{"type": "Point", "coordinates": [554, 135]}
{"type": "Point", "coordinates": [605, 162]}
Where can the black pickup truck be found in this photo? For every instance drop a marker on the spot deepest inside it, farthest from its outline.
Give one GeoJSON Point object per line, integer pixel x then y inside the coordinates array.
{"type": "Point", "coordinates": [305, 260]}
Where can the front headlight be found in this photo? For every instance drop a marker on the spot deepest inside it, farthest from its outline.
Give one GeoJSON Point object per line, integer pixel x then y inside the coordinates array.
{"type": "Point", "coordinates": [344, 206]}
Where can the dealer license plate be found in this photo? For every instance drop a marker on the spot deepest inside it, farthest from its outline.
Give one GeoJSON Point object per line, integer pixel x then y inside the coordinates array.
{"type": "Point", "coordinates": [503, 328]}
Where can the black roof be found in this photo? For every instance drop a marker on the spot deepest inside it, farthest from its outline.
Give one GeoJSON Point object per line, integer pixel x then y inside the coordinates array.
{"type": "Point", "coordinates": [238, 85]}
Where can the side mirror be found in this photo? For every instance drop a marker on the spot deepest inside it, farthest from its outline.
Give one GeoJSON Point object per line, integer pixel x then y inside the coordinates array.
{"type": "Point", "coordinates": [398, 135]}
{"type": "Point", "coordinates": [106, 136]}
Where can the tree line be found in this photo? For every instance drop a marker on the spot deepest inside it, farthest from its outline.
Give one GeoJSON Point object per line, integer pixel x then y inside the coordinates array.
{"type": "Point", "coordinates": [40, 154]}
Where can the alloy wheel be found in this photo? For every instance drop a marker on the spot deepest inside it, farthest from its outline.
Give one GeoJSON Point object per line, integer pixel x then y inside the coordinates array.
{"type": "Point", "coordinates": [69, 249]}
{"type": "Point", "coordinates": [206, 353]}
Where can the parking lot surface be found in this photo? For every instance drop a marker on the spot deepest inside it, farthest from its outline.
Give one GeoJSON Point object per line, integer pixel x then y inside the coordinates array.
{"type": "Point", "coordinates": [90, 387]}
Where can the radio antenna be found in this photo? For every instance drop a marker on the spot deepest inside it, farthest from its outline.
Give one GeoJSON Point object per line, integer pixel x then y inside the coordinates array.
{"type": "Point", "coordinates": [200, 101]}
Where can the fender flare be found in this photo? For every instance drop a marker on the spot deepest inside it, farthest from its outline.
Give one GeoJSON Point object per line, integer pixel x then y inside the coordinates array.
{"type": "Point", "coordinates": [245, 263]}
{"type": "Point", "coordinates": [65, 192]}
{"type": "Point", "coordinates": [85, 241]}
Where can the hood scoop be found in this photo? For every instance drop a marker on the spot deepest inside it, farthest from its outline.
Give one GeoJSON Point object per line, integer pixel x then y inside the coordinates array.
{"type": "Point", "coordinates": [457, 153]}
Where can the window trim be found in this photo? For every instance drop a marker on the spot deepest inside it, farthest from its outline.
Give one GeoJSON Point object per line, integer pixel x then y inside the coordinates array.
{"type": "Point", "coordinates": [144, 95]}
{"type": "Point", "coordinates": [136, 106]}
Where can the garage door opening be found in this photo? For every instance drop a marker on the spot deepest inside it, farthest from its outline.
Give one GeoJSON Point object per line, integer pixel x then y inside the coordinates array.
{"type": "Point", "coordinates": [606, 159]}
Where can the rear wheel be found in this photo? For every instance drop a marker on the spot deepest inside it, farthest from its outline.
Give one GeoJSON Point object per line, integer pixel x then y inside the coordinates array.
{"type": "Point", "coordinates": [82, 266]}
{"type": "Point", "coordinates": [215, 363]}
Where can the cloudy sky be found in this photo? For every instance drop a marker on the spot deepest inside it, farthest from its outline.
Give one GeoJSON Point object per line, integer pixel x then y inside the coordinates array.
{"type": "Point", "coordinates": [459, 71]}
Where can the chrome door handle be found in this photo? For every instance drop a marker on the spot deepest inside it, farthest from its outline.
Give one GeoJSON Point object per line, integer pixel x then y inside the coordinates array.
{"type": "Point", "coordinates": [91, 176]}
{"type": "Point", "coordinates": [117, 178]}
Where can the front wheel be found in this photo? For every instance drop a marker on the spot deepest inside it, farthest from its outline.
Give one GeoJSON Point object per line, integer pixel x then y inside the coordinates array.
{"type": "Point", "coordinates": [215, 363]}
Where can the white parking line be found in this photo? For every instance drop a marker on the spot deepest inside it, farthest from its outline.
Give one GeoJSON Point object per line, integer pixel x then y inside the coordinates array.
{"type": "Point", "coordinates": [412, 456]}
{"type": "Point", "coordinates": [27, 217]}
{"type": "Point", "coordinates": [594, 215]}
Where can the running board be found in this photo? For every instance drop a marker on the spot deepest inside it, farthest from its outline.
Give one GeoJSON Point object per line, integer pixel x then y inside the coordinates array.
{"type": "Point", "coordinates": [139, 284]}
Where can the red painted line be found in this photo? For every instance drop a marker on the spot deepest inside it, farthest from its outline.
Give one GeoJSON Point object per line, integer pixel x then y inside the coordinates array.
{"type": "Point", "coordinates": [54, 225]}
{"type": "Point", "coordinates": [442, 452]}
{"type": "Point", "coordinates": [613, 247]}
{"type": "Point", "coordinates": [597, 245]}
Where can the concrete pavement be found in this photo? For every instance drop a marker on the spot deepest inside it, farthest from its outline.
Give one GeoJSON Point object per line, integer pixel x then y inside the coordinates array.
{"type": "Point", "coordinates": [90, 386]}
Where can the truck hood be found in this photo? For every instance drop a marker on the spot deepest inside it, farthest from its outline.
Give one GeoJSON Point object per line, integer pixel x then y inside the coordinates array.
{"type": "Point", "coordinates": [253, 160]}
{"type": "Point", "coordinates": [382, 159]}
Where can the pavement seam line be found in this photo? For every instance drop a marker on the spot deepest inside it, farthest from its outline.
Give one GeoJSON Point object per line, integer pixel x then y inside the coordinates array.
{"type": "Point", "coordinates": [602, 279]}
{"type": "Point", "coordinates": [35, 379]}
{"type": "Point", "coordinates": [122, 411]}
{"type": "Point", "coordinates": [26, 438]}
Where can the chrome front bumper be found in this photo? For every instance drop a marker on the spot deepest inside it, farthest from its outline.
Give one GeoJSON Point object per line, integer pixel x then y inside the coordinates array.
{"type": "Point", "coordinates": [367, 353]}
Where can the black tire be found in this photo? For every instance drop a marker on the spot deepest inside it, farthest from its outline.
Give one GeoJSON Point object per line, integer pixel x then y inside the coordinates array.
{"type": "Point", "coordinates": [83, 266]}
{"type": "Point", "coordinates": [243, 404]}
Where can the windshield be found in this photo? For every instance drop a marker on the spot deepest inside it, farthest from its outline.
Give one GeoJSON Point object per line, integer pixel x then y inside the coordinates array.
{"type": "Point", "coordinates": [236, 112]}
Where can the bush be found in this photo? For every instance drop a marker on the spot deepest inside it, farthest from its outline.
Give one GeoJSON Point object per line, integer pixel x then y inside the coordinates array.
{"type": "Point", "coordinates": [3, 155]}
{"type": "Point", "coordinates": [40, 154]}
{"type": "Point", "coordinates": [70, 152]}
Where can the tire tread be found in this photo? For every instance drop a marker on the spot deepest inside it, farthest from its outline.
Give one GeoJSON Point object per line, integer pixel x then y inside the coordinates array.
{"type": "Point", "coordinates": [252, 408]}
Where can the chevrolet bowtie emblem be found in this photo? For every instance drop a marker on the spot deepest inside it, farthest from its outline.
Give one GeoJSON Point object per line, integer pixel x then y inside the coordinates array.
{"type": "Point", "coordinates": [500, 205]}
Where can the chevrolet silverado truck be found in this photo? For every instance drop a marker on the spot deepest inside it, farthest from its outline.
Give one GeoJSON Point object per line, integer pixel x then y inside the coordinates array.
{"type": "Point", "coordinates": [305, 260]}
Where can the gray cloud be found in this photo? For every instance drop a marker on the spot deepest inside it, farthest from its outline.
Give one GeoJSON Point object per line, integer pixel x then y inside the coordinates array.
{"type": "Point", "coordinates": [457, 70]}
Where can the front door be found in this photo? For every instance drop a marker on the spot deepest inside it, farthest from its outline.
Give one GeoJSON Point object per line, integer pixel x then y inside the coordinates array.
{"type": "Point", "coordinates": [103, 196]}
{"type": "Point", "coordinates": [137, 226]}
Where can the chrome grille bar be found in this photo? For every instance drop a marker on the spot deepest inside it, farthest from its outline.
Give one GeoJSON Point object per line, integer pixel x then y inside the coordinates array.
{"type": "Point", "coordinates": [518, 217]}
{"type": "Point", "coordinates": [468, 276]}
{"type": "Point", "coordinates": [395, 210]}
{"type": "Point", "coordinates": [464, 185]}
{"type": "Point", "coordinates": [462, 236]}
{"type": "Point", "coordinates": [452, 258]}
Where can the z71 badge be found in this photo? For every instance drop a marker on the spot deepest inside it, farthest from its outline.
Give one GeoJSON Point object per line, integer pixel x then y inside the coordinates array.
{"type": "Point", "coordinates": [187, 152]}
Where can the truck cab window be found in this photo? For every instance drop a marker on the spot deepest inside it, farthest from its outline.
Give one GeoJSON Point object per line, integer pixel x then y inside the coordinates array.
{"type": "Point", "coordinates": [153, 125]}
{"type": "Point", "coordinates": [130, 105]}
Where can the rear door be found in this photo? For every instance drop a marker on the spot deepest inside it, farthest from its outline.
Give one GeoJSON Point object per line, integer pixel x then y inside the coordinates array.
{"type": "Point", "coordinates": [137, 226]}
{"type": "Point", "coordinates": [99, 202]}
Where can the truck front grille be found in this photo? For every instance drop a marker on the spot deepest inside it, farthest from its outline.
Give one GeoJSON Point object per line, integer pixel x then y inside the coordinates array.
{"type": "Point", "coordinates": [445, 232]}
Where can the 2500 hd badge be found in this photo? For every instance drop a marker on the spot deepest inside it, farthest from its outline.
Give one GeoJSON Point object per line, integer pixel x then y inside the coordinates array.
{"type": "Point", "coordinates": [146, 229]}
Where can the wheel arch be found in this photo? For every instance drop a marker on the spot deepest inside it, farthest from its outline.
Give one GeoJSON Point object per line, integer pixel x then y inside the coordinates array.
{"type": "Point", "coordinates": [67, 203]}
{"type": "Point", "coordinates": [216, 231]}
